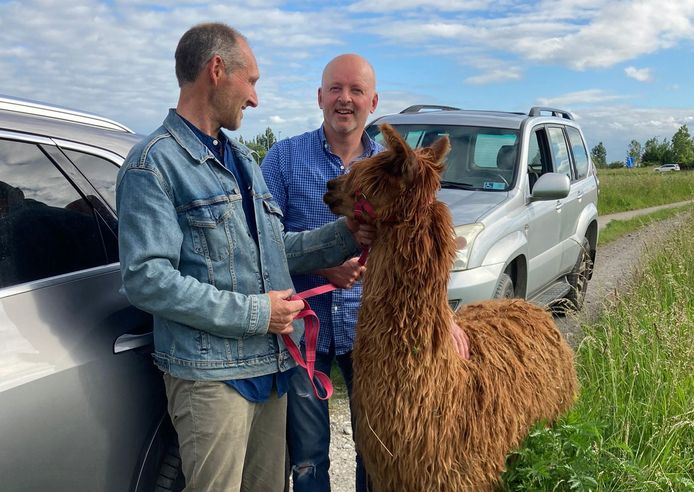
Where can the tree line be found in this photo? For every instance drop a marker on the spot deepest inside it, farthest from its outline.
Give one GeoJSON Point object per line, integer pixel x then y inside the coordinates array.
{"type": "Point", "coordinates": [679, 149]}
{"type": "Point", "coordinates": [260, 144]}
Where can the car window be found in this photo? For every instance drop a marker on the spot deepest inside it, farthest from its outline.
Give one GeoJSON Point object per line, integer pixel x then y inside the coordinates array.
{"type": "Point", "coordinates": [559, 150]}
{"type": "Point", "coordinates": [487, 148]}
{"type": "Point", "coordinates": [578, 149]}
{"type": "Point", "coordinates": [100, 172]}
{"type": "Point", "coordinates": [480, 158]}
{"type": "Point", "coordinates": [46, 227]}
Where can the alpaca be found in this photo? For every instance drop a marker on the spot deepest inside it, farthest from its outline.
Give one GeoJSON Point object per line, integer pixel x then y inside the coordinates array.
{"type": "Point", "coordinates": [426, 419]}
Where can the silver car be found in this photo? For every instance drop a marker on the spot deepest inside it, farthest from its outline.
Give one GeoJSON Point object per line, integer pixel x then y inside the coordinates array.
{"type": "Point", "coordinates": [523, 195]}
{"type": "Point", "coordinates": [665, 168]}
{"type": "Point", "coordinates": [82, 407]}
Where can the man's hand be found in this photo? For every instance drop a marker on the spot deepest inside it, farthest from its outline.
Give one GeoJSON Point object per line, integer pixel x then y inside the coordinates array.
{"type": "Point", "coordinates": [282, 311]}
{"type": "Point", "coordinates": [364, 234]}
{"type": "Point", "coordinates": [460, 340]}
{"type": "Point", "coordinates": [345, 275]}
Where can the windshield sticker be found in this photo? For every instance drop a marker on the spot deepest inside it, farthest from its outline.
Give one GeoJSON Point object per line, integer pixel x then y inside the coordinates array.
{"type": "Point", "coordinates": [494, 185]}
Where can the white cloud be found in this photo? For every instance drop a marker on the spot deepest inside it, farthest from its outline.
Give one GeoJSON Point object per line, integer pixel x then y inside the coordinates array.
{"type": "Point", "coordinates": [580, 98]}
{"type": "Point", "coordinates": [493, 70]}
{"type": "Point", "coordinates": [617, 125]}
{"type": "Point", "coordinates": [116, 58]}
{"type": "Point", "coordinates": [575, 33]}
{"type": "Point", "coordinates": [640, 74]}
{"type": "Point", "coordinates": [385, 6]}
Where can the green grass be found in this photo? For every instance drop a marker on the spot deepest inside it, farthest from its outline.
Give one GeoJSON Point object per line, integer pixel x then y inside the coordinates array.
{"type": "Point", "coordinates": [632, 428]}
{"type": "Point", "coordinates": [618, 228]}
{"type": "Point", "coordinates": [631, 189]}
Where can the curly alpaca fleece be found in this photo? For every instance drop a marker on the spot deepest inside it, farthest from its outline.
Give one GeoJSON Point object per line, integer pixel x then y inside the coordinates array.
{"type": "Point", "coordinates": [427, 420]}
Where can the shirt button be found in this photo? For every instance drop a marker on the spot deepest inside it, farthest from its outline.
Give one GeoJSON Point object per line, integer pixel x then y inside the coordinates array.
{"type": "Point", "coordinates": [342, 167]}
{"type": "Point", "coordinates": [215, 142]}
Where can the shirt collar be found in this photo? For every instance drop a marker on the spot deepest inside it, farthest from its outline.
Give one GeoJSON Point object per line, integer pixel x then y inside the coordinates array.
{"type": "Point", "coordinates": [187, 139]}
{"type": "Point", "coordinates": [370, 146]}
{"type": "Point", "coordinates": [215, 145]}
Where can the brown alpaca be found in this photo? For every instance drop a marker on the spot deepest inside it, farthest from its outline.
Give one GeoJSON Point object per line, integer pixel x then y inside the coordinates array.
{"type": "Point", "coordinates": [427, 420]}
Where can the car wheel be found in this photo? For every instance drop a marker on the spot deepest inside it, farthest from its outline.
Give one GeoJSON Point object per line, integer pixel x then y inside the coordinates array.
{"type": "Point", "coordinates": [578, 278]}
{"type": "Point", "coordinates": [170, 477]}
{"type": "Point", "coordinates": [504, 288]}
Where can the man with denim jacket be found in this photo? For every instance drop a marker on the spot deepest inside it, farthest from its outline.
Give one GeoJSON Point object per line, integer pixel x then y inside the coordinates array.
{"type": "Point", "coordinates": [203, 249]}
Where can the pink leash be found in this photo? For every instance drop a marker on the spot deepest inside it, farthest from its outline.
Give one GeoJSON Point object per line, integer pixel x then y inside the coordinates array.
{"type": "Point", "coordinates": [312, 328]}
{"type": "Point", "coordinates": [312, 325]}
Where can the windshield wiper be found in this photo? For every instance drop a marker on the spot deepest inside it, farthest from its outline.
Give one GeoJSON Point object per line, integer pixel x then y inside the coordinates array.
{"type": "Point", "coordinates": [457, 186]}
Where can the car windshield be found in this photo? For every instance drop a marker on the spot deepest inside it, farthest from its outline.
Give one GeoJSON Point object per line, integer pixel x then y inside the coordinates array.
{"type": "Point", "coordinates": [480, 158]}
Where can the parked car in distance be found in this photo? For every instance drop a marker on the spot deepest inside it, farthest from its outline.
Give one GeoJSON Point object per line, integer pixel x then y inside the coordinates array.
{"type": "Point", "coordinates": [82, 407]}
{"type": "Point", "coordinates": [523, 193]}
{"type": "Point", "coordinates": [667, 168]}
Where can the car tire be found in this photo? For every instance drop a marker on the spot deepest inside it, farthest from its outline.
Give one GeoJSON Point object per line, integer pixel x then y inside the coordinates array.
{"type": "Point", "coordinates": [579, 276]}
{"type": "Point", "coordinates": [504, 287]}
{"type": "Point", "coordinates": [170, 476]}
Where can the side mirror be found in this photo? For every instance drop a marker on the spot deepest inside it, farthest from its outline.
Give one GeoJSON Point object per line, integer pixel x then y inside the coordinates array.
{"type": "Point", "coordinates": [551, 186]}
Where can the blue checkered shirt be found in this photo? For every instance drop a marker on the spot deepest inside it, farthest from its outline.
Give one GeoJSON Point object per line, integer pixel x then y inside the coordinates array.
{"type": "Point", "coordinates": [296, 171]}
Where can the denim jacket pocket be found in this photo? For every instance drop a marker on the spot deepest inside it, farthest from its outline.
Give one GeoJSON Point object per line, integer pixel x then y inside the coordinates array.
{"type": "Point", "coordinates": [274, 216]}
{"type": "Point", "coordinates": [209, 229]}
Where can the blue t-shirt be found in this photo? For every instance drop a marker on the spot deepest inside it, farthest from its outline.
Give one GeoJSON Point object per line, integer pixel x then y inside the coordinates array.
{"type": "Point", "coordinates": [259, 388]}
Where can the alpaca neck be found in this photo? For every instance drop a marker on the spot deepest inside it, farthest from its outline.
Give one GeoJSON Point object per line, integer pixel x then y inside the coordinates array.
{"type": "Point", "coordinates": [407, 277]}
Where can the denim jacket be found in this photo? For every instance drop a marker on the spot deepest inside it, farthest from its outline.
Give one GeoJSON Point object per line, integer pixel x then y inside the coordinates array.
{"type": "Point", "coordinates": [188, 258]}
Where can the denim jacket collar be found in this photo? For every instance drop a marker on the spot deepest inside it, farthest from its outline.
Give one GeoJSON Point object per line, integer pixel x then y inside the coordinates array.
{"type": "Point", "coordinates": [191, 143]}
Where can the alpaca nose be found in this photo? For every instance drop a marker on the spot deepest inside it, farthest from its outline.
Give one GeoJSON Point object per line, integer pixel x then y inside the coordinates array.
{"type": "Point", "coordinates": [330, 200]}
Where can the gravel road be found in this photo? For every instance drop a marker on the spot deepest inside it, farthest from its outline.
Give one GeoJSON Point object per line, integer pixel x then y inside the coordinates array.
{"type": "Point", "coordinates": [614, 267]}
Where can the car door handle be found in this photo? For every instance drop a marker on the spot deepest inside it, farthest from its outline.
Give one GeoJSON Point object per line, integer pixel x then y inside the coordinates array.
{"type": "Point", "coordinates": [131, 341]}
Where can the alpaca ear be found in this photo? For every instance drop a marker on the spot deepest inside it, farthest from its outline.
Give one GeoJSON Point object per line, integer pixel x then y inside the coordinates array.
{"type": "Point", "coordinates": [441, 148]}
{"type": "Point", "coordinates": [393, 139]}
{"type": "Point", "coordinates": [404, 162]}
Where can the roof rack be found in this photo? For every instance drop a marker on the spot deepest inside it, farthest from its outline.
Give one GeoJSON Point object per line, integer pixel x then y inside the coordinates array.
{"type": "Point", "coordinates": [538, 110]}
{"type": "Point", "coordinates": [419, 107]}
{"type": "Point", "coordinates": [25, 106]}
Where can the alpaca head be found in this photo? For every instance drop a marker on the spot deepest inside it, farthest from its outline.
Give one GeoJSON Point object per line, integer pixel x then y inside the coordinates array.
{"type": "Point", "coordinates": [396, 183]}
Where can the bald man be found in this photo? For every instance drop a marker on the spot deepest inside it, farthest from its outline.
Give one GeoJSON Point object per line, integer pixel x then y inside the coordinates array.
{"type": "Point", "coordinates": [296, 171]}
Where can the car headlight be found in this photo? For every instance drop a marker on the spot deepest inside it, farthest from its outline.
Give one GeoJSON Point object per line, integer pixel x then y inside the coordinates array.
{"type": "Point", "coordinates": [465, 236]}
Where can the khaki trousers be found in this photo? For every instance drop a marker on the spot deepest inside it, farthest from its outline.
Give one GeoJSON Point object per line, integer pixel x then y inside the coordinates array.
{"type": "Point", "coordinates": [226, 442]}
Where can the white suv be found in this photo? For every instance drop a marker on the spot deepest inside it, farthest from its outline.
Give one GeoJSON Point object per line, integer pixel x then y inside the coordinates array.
{"type": "Point", "coordinates": [667, 168]}
{"type": "Point", "coordinates": [523, 194]}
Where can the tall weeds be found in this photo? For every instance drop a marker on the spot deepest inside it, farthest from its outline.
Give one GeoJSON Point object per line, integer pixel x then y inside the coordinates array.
{"type": "Point", "coordinates": [632, 428]}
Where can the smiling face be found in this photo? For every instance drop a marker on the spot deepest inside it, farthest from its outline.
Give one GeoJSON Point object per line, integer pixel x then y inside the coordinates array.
{"type": "Point", "coordinates": [397, 182]}
{"type": "Point", "coordinates": [347, 95]}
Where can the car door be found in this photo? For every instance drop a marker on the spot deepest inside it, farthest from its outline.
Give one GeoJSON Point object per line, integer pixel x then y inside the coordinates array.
{"type": "Point", "coordinates": [583, 192]}
{"type": "Point", "coordinates": [543, 226]}
{"type": "Point", "coordinates": [566, 207]}
{"type": "Point", "coordinates": [74, 415]}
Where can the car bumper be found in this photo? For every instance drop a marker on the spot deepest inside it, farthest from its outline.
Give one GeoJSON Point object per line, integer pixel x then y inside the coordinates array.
{"type": "Point", "coordinates": [475, 284]}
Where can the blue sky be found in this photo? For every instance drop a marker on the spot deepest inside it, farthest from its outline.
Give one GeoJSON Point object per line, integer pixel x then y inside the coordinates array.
{"type": "Point", "coordinates": [624, 68]}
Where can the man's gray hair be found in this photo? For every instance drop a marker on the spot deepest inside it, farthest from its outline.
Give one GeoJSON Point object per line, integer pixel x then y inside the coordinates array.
{"type": "Point", "coordinates": [200, 43]}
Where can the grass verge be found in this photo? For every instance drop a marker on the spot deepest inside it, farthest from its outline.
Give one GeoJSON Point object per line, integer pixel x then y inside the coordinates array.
{"type": "Point", "coordinates": [618, 228]}
{"type": "Point", "coordinates": [632, 428]}
{"type": "Point", "coordinates": [632, 189]}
